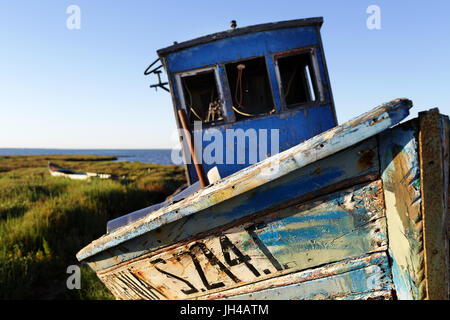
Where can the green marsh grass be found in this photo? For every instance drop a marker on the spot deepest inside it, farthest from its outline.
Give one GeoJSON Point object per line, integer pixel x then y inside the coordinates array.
{"type": "Point", "coordinates": [45, 220]}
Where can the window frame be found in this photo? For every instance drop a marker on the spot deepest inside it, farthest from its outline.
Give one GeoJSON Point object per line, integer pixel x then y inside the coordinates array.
{"type": "Point", "coordinates": [316, 78]}
{"type": "Point", "coordinates": [266, 62]}
{"type": "Point", "coordinates": [181, 93]}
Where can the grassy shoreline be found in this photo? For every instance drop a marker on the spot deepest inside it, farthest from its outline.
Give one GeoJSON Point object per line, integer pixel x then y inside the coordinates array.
{"type": "Point", "coordinates": [45, 220]}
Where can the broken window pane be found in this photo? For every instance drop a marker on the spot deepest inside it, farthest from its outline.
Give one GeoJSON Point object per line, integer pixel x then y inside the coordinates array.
{"type": "Point", "coordinates": [201, 97]}
{"type": "Point", "coordinates": [297, 79]}
{"type": "Point", "coordinates": [250, 88]}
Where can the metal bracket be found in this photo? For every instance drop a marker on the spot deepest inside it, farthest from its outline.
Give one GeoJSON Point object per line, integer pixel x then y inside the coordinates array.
{"type": "Point", "coordinates": [158, 74]}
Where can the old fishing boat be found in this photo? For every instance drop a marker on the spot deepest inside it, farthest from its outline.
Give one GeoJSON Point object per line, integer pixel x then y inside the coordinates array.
{"type": "Point", "coordinates": [350, 211]}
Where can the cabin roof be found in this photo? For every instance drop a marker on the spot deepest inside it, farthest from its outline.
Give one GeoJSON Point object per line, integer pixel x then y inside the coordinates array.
{"type": "Point", "coordinates": [317, 21]}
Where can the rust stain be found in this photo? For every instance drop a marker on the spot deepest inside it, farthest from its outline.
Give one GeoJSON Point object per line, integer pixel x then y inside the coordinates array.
{"type": "Point", "coordinates": [316, 172]}
{"type": "Point", "coordinates": [405, 197]}
{"type": "Point", "coordinates": [401, 183]}
{"type": "Point", "coordinates": [291, 52]}
{"type": "Point", "coordinates": [366, 161]}
{"type": "Point", "coordinates": [374, 121]}
{"type": "Point", "coordinates": [161, 289]}
{"type": "Point", "coordinates": [140, 274]}
{"type": "Point", "coordinates": [173, 261]}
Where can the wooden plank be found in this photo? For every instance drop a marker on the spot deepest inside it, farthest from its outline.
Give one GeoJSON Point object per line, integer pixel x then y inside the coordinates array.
{"type": "Point", "coordinates": [344, 169]}
{"type": "Point", "coordinates": [446, 167]}
{"type": "Point", "coordinates": [341, 225]}
{"type": "Point", "coordinates": [401, 184]}
{"type": "Point", "coordinates": [373, 295]}
{"type": "Point", "coordinates": [363, 278]}
{"type": "Point", "coordinates": [434, 201]}
{"type": "Point", "coordinates": [270, 169]}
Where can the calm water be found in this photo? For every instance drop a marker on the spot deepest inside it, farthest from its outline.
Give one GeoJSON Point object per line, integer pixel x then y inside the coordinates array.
{"type": "Point", "coordinates": [160, 156]}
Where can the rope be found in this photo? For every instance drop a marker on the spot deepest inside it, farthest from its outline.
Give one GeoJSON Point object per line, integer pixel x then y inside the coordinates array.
{"type": "Point", "coordinates": [190, 102]}
{"type": "Point", "coordinates": [240, 67]}
{"type": "Point", "coordinates": [195, 113]}
{"type": "Point", "coordinates": [243, 113]}
{"type": "Point", "coordinates": [252, 115]}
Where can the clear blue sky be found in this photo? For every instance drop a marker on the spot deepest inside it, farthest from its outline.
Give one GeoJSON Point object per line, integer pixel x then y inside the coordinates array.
{"type": "Point", "coordinates": [62, 88]}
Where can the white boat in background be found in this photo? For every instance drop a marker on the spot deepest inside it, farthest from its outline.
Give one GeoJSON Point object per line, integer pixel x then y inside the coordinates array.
{"type": "Point", "coordinates": [58, 171]}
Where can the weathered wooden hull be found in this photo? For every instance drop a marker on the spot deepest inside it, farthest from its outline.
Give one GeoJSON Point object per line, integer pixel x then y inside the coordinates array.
{"type": "Point", "coordinates": [349, 214]}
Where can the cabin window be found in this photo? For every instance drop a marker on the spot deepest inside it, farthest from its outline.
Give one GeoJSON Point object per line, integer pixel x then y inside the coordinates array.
{"type": "Point", "coordinates": [250, 88]}
{"type": "Point", "coordinates": [201, 97]}
{"type": "Point", "coordinates": [298, 79]}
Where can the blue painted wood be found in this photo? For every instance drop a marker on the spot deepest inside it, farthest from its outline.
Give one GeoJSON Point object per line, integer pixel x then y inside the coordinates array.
{"type": "Point", "coordinates": [346, 165]}
{"type": "Point", "coordinates": [355, 279]}
{"type": "Point", "coordinates": [337, 227]}
{"type": "Point", "coordinates": [271, 182]}
{"type": "Point", "coordinates": [299, 126]}
{"type": "Point", "coordinates": [295, 126]}
{"type": "Point", "coordinates": [401, 180]}
{"type": "Point", "coordinates": [241, 47]}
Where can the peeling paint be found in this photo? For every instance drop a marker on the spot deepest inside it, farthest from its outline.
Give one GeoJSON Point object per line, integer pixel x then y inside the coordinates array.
{"type": "Point", "coordinates": [250, 178]}
{"type": "Point", "coordinates": [278, 243]}
{"type": "Point", "coordinates": [401, 175]}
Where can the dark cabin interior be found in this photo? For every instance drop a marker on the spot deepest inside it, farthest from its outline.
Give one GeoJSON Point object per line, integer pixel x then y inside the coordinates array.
{"type": "Point", "coordinates": [200, 90]}
{"type": "Point", "coordinates": [297, 80]}
{"type": "Point", "coordinates": [251, 92]}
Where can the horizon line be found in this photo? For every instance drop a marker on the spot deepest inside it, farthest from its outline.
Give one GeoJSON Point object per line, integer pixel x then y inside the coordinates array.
{"type": "Point", "coordinates": [48, 148]}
